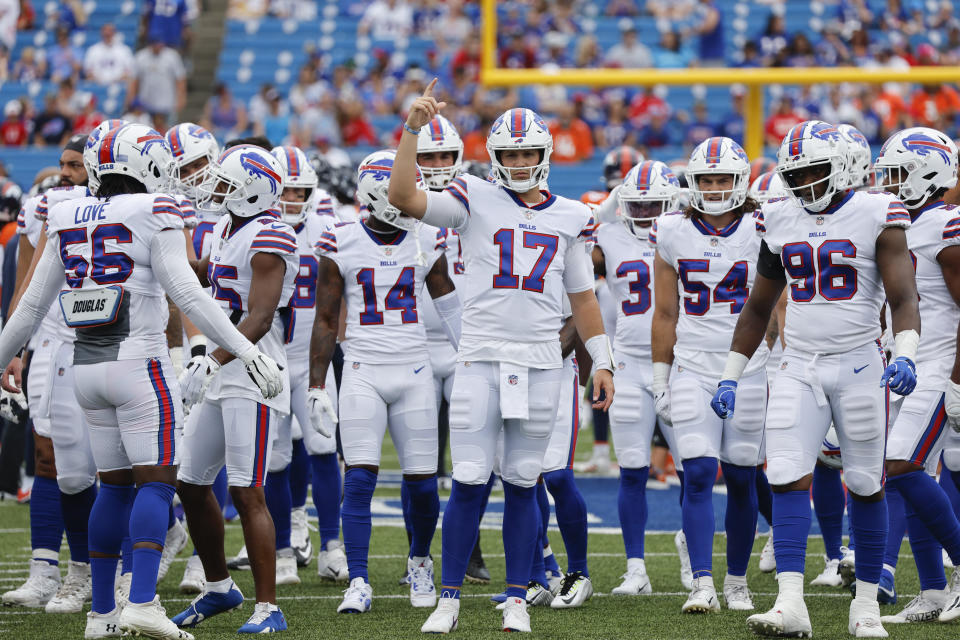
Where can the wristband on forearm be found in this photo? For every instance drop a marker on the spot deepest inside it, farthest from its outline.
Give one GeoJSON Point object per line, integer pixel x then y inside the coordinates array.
{"type": "Point", "coordinates": [736, 363]}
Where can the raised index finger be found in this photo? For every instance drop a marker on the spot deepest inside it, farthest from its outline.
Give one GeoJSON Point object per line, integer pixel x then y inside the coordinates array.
{"type": "Point", "coordinates": [429, 89]}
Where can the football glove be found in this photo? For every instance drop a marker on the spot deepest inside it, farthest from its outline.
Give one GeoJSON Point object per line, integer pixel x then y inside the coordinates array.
{"type": "Point", "coordinates": [900, 375]}
{"type": "Point", "coordinates": [13, 406]}
{"type": "Point", "coordinates": [724, 399]}
{"type": "Point", "coordinates": [196, 378]}
{"type": "Point", "coordinates": [661, 401]}
{"type": "Point", "coordinates": [322, 413]}
{"type": "Point", "coordinates": [264, 371]}
{"type": "Point", "coordinates": [951, 404]}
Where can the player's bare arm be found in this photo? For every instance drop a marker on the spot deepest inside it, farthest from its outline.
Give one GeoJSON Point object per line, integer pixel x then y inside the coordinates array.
{"type": "Point", "coordinates": [438, 280]}
{"type": "Point", "coordinates": [589, 323]}
{"type": "Point", "coordinates": [666, 312]}
{"type": "Point", "coordinates": [755, 316]}
{"type": "Point", "coordinates": [599, 265]}
{"type": "Point", "coordinates": [949, 260]}
{"type": "Point", "coordinates": [326, 322]}
{"type": "Point", "coordinates": [896, 270]}
{"type": "Point", "coordinates": [403, 192]}
{"type": "Point", "coordinates": [200, 267]}
{"type": "Point", "coordinates": [568, 337]}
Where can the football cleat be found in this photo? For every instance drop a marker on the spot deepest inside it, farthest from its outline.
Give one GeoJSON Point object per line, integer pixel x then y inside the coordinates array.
{"type": "Point", "coordinates": [423, 593]}
{"type": "Point", "coordinates": [332, 563]}
{"type": "Point", "coordinates": [194, 578]}
{"type": "Point", "coordinates": [357, 598]}
{"type": "Point", "coordinates": [787, 619]}
{"type": "Point", "coordinates": [738, 597]}
{"type": "Point", "coordinates": [208, 605]}
{"type": "Point", "coordinates": [266, 618]}
{"type": "Point", "coordinates": [121, 589]}
{"type": "Point", "coordinates": [287, 567]}
{"type": "Point", "coordinates": [149, 619]}
{"type": "Point", "coordinates": [635, 583]}
{"type": "Point", "coordinates": [477, 572]}
{"type": "Point", "coordinates": [864, 619]}
{"type": "Point", "coordinates": [926, 607]}
{"type": "Point", "coordinates": [499, 598]}
{"type": "Point", "coordinates": [102, 625]}
{"type": "Point", "coordinates": [830, 576]}
{"type": "Point", "coordinates": [703, 597]}
{"type": "Point", "coordinates": [952, 609]}
{"type": "Point", "coordinates": [768, 563]}
{"type": "Point", "coordinates": [886, 590]}
{"type": "Point", "coordinates": [173, 545]}
{"type": "Point", "coordinates": [300, 536]}
{"type": "Point", "coordinates": [686, 573]}
{"type": "Point", "coordinates": [848, 565]}
{"type": "Point", "coordinates": [240, 561]}
{"type": "Point", "coordinates": [444, 618]}
{"type": "Point", "coordinates": [41, 585]}
{"type": "Point", "coordinates": [554, 581]}
{"type": "Point", "coordinates": [73, 592]}
{"type": "Point", "coordinates": [574, 591]}
{"type": "Point", "coordinates": [537, 595]}
{"type": "Point", "coordinates": [515, 616]}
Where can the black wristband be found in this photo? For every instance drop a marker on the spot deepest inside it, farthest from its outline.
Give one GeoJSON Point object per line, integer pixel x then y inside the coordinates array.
{"type": "Point", "coordinates": [198, 350]}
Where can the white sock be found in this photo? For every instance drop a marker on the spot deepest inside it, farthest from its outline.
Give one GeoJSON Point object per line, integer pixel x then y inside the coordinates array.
{"type": "Point", "coordinates": [547, 551]}
{"type": "Point", "coordinates": [867, 591]}
{"type": "Point", "coordinates": [271, 606]}
{"type": "Point", "coordinates": [601, 450]}
{"type": "Point", "coordinates": [286, 552]}
{"type": "Point", "coordinates": [704, 582]}
{"type": "Point", "coordinates": [636, 564]}
{"type": "Point", "coordinates": [418, 560]}
{"type": "Point", "coordinates": [791, 584]}
{"type": "Point", "coordinates": [735, 580]}
{"type": "Point", "coordinates": [220, 586]}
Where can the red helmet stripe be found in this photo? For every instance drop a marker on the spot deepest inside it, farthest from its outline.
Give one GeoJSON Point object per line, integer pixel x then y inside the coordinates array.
{"type": "Point", "coordinates": [105, 155]}
{"type": "Point", "coordinates": [293, 163]}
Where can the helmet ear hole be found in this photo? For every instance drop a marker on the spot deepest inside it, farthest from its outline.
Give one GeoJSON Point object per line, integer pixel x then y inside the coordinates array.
{"type": "Point", "coordinates": [252, 199]}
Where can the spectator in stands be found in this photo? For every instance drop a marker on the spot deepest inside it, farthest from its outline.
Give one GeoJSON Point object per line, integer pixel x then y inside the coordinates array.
{"type": "Point", "coordinates": [903, 17]}
{"type": "Point", "coordinates": [13, 130]}
{"type": "Point", "coordinates": [732, 125]}
{"type": "Point", "coordinates": [774, 36]}
{"type": "Point", "coordinates": [475, 142]}
{"type": "Point", "coordinates": [709, 30]}
{"type": "Point", "coordinates": [780, 121]}
{"type": "Point", "coordinates": [750, 56]}
{"type": "Point", "coordinates": [9, 13]}
{"type": "Point", "coordinates": [259, 104]}
{"type": "Point", "coordinates": [655, 133]}
{"type": "Point", "coordinates": [109, 61]}
{"type": "Point", "coordinates": [63, 59]}
{"type": "Point", "coordinates": [518, 54]}
{"type": "Point", "coordinates": [646, 104]}
{"type": "Point", "coordinates": [669, 54]}
{"type": "Point", "coordinates": [166, 21]}
{"type": "Point", "coordinates": [616, 130]}
{"type": "Point", "coordinates": [673, 10]}
{"type": "Point", "coordinates": [386, 20]}
{"type": "Point", "coordinates": [587, 54]}
{"type": "Point", "coordinates": [468, 58]}
{"type": "Point", "coordinates": [89, 117]}
{"type": "Point", "coordinates": [159, 83]}
{"type": "Point", "coordinates": [317, 122]}
{"type": "Point", "coordinates": [71, 16]}
{"type": "Point", "coordinates": [800, 52]}
{"type": "Point", "coordinates": [699, 128]}
{"type": "Point", "coordinates": [30, 67]}
{"type": "Point", "coordinates": [453, 26]}
{"type": "Point", "coordinates": [378, 92]}
{"type": "Point", "coordinates": [66, 98]}
{"type": "Point", "coordinates": [354, 125]}
{"type": "Point", "coordinates": [839, 108]}
{"type": "Point", "coordinates": [555, 43]}
{"type": "Point", "coordinates": [28, 16]}
{"type": "Point", "coordinates": [137, 113]}
{"type": "Point", "coordinates": [572, 141]}
{"type": "Point", "coordinates": [223, 116]}
{"type": "Point", "coordinates": [305, 93]}
{"type": "Point", "coordinates": [628, 53]}
{"type": "Point", "coordinates": [621, 8]}
{"type": "Point", "coordinates": [853, 12]}
{"type": "Point", "coordinates": [275, 124]}
{"type": "Point", "coordinates": [51, 127]}
{"type": "Point", "coordinates": [935, 106]}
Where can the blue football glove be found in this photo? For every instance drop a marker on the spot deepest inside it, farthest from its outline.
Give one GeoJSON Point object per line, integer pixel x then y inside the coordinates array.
{"type": "Point", "coordinates": [724, 399]}
{"type": "Point", "coordinates": [901, 376]}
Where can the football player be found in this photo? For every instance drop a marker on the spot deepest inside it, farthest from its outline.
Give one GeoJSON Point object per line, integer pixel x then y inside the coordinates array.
{"type": "Point", "coordinates": [251, 268]}
{"type": "Point", "coordinates": [524, 247]}
{"type": "Point", "coordinates": [709, 251]}
{"type": "Point", "coordinates": [843, 251]}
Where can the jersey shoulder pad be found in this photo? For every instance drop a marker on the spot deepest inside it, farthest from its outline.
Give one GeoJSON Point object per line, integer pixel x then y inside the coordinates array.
{"type": "Point", "coordinates": [165, 212]}
{"type": "Point", "coordinates": [273, 236]}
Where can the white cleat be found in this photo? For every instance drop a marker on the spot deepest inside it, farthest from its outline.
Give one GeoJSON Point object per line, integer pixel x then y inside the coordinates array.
{"type": "Point", "coordinates": [635, 583]}
{"type": "Point", "coordinates": [121, 589]}
{"type": "Point", "coordinates": [41, 585]}
{"type": "Point", "coordinates": [194, 579]}
{"type": "Point", "coordinates": [423, 593]}
{"type": "Point", "coordinates": [574, 591]}
{"type": "Point", "coordinates": [848, 566]}
{"type": "Point", "coordinates": [787, 619]}
{"type": "Point", "coordinates": [926, 607]}
{"type": "Point", "coordinates": [830, 576]}
{"type": "Point", "coordinates": [515, 616]}
{"type": "Point", "coordinates": [149, 619]}
{"type": "Point", "coordinates": [332, 563]}
{"type": "Point", "coordinates": [737, 596]}
{"type": "Point", "coordinates": [864, 620]}
{"type": "Point", "coordinates": [686, 573]}
{"type": "Point", "coordinates": [357, 598]}
{"type": "Point", "coordinates": [703, 597]}
{"type": "Point", "coordinates": [103, 625]}
{"type": "Point", "coordinates": [287, 567]}
{"type": "Point", "coordinates": [554, 581]}
{"type": "Point", "coordinates": [768, 562]}
{"type": "Point", "coordinates": [951, 611]}
{"type": "Point", "coordinates": [300, 536]}
{"type": "Point", "coordinates": [240, 561]}
{"type": "Point", "coordinates": [74, 590]}
{"type": "Point", "coordinates": [172, 546]}
{"type": "Point", "coordinates": [444, 618]}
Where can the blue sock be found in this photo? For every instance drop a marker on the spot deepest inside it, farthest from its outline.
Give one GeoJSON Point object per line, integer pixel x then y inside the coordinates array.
{"type": "Point", "coordinates": [571, 517]}
{"type": "Point", "coordinates": [171, 517]}
{"type": "Point", "coordinates": [700, 474]}
{"type": "Point", "coordinates": [791, 526]}
{"type": "Point", "coordinates": [405, 508]}
{"type": "Point", "coordinates": [741, 516]}
{"type": "Point", "coordinates": [932, 506]}
{"type": "Point", "coordinates": [829, 502]}
{"type": "Point", "coordinates": [869, 521]}
{"type": "Point", "coordinates": [46, 518]}
{"type": "Point", "coordinates": [955, 476]}
{"type": "Point", "coordinates": [276, 491]}
{"type": "Point", "coordinates": [953, 494]}
{"type": "Point", "coordinates": [520, 528]}
{"type": "Point", "coordinates": [424, 513]}
{"type": "Point", "coordinates": [299, 474]}
{"type": "Point", "coordinates": [680, 478]}
{"type": "Point", "coordinates": [538, 570]}
{"type": "Point", "coordinates": [326, 496]}
{"type": "Point", "coordinates": [461, 521]}
{"type": "Point", "coordinates": [109, 524]}
{"type": "Point", "coordinates": [543, 506]}
{"type": "Point", "coordinates": [926, 551]}
{"type": "Point", "coordinates": [852, 543]}
{"type": "Point", "coordinates": [897, 526]}
{"type": "Point", "coordinates": [148, 523]}
{"type": "Point", "coordinates": [75, 510]}
{"type": "Point", "coordinates": [220, 488]}
{"type": "Point", "coordinates": [632, 507]}
{"type": "Point", "coordinates": [764, 497]}
{"type": "Point", "coordinates": [358, 489]}
{"type": "Point", "coordinates": [126, 552]}
{"type": "Point", "coordinates": [486, 494]}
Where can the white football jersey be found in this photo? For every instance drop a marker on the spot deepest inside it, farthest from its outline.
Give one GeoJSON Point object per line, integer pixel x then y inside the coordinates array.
{"type": "Point", "coordinates": [383, 284]}
{"type": "Point", "coordinates": [105, 246]}
{"type": "Point", "coordinates": [629, 265]}
{"type": "Point", "coordinates": [835, 290]}
{"type": "Point", "coordinates": [202, 233]}
{"type": "Point", "coordinates": [230, 276]}
{"type": "Point", "coordinates": [932, 230]}
{"type": "Point", "coordinates": [325, 209]}
{"type": "Point", "coordinates": [454, 255]}
{"type": "Point", "coordinates": [303, 301]}
{"type": "Point", "coordinates": [516, 266]}
{"type": "Point", "coordinates": [716, 269]}
{"type": "Point", "coordinates": [187, 211]}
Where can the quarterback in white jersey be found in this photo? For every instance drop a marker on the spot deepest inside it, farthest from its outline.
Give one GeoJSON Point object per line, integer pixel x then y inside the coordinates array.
{"type": "Point", "coordinates": [251, 269]}
{"type": "Point", "coordinates": [705, 267]}
{"type": "Point", "coordinates": [523, 250]}
{"type": "Point", "coordinates": [842, 251]}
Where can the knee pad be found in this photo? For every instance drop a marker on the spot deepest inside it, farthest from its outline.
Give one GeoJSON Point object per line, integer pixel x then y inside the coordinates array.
{"type": "Point", "coordinates": [951, 458]}
{"type": "Point", "coordinates": [861, 482]}
{"type": "Point", "coordinates": [521, 468]}
{"type": "Point", "coordinates": [75, 483]}
{"type": "Point", "coordinates": [280, 457]}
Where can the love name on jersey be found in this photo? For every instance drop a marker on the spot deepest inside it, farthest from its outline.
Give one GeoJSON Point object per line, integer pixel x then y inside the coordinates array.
{"type": "Point", "coordinates": [90, 213]}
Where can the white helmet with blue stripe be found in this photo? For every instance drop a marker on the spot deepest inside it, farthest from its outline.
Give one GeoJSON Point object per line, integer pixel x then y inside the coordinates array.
{"type": "Point", "coordinates": [718, 156]}
{"type": "Point", "coordinates": [649, 190]}
{"type": "Point", "coordinates": [520, 129]}
{"type": "Point", "coordinates": [813, 144]}
{"type": "Point", "coordinates": [437, 136]}
{"type": "Point", "coordinates": [298, 174]}
{"type": "Point", "coordinates": [767, 186]}
{"type": "Point", "coordinates": [246, 180]}
{"type": "Point", "coordinates": [136, 151]}
{"type": "Point", "coordinates": [858, 155]}
{"type": "Point", "coordinates": [917, 162]}
{"type": "Point", "coordinates": [90, 161]}
{"type": "Point", "coordinates": [189, 143]}
{"type": "Point", "coordinates": [373, 180]}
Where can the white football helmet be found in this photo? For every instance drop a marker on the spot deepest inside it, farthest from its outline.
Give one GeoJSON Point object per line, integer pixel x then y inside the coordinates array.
{"type": "Point", "coordinates": [520, 129]}
{"type": "Point", "coordinates": [713, 156]}
{"type": "Point", "coordinates": [767, 185]}
{"type": "Point", "coordinates": [810, 144]}
{"type": "Point", "coordinates": [246, 180]}
{"type": "Point", "coordinates": [858, 155]}
{"type": "Point", "coordinates": [918, 162]}
{"type": "Point", "coordinates": [830, 450]}
{"type": "Point", "coordinates": [138, 151]}
{"type": "Point", "coordinates": [189, 142]}
{"type": "Point", "coordinates": [440, 135]}
{"type": "Point", "coordinates": [90, 162]}
{"type": "Point", "coordinates": [298, 174]}
{"type": "Point", "coordinates": [373, 180]}
{"type": "Point", "coordinates": [649, 190]}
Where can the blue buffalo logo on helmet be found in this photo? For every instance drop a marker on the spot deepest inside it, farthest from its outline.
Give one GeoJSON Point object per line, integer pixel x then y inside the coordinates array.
{"type": "Point", "coordinates": [517, 121]}
{"type": "Point", "coordinates": [256, 166]}
{"type": "Point", "coordinates": [147, 141]}
{"type": "Point", "coordinates": [379, 170]}
{"type": "Point", "coordinates": [192, 130]}
{"type": "Point", "coordinates": [819, 130]}
{"type": "Point", "coordinates": [924, 145]}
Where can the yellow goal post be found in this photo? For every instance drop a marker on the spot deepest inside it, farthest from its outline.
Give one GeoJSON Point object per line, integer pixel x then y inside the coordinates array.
{"type": "Point", "coordinates": [753, 79]}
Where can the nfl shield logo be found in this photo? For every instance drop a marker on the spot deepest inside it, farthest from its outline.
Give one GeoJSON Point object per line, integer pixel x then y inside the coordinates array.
{"type": "Point", "coordinates": [714, 242]}
{"type": "Point", "coordinates": [783, 365]}
{"type": "Point", "coordinates": [356, 365]}
{"type": "Point", "coordinates": [388, 250]}
{"type": "Point", "coordinates": [512, 379]}
{"type": "Point", "coordinates": [60, 372]}
{"type": "Point", "coordinates": [620, 365]}
{"type": "Point", "coordinates": [819, 219]}
{"type": "Point", "coordinates": [528, 215]}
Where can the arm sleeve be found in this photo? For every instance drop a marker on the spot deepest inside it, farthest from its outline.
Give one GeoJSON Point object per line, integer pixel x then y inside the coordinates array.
{"type": "Point", "coordinates": [577, 269]}
{"type": "Point", "coordinates": [449, 309]}
{"type": "Point", "coordinates": [769, 264]}
{"type": "Point", "coordinates": [168, 258]}
{"type": "Point", "coordinates": [47, 280]}
{"type": "Point", "coordinates": [449, 208]}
